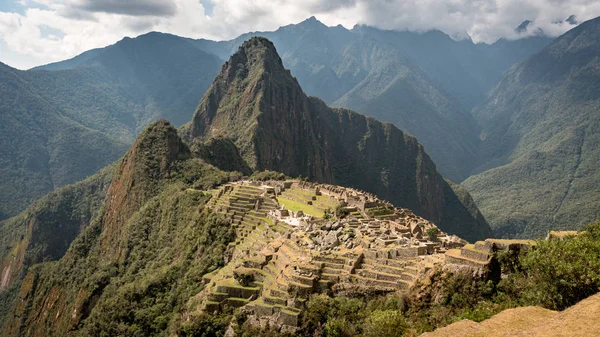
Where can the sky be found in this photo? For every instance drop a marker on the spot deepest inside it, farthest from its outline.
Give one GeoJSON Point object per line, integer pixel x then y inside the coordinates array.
{"type": "Point", "coordinates": [36, 32]}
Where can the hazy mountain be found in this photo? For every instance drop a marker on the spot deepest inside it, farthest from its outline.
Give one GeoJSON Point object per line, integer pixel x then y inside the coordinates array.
{"type": "Point", "coordinates": [257, 104]}
{"type": "Point", "coordinates": [60, 126]}
{"type": "Point", "coordinates": [541, 131]}
{"type": "Point", "coordinates": [41, 148]}
{"type": "Point", "coordinates": [143, 79]}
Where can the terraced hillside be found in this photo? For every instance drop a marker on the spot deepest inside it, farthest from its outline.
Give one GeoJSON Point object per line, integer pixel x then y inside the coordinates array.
{"type": "Point", "coordinates": [290, 245]}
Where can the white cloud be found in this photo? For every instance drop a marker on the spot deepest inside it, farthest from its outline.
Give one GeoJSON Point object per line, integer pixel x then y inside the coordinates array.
{"type": "Point", "coordinates": [87, 24]}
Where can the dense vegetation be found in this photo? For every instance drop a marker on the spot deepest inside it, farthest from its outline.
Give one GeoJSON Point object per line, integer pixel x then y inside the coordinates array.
{"type": "Point", "coordinates": [40, 148]}
{"type": "Point", "coordinates": [542, 131]}
{"type": "Point", "coordinates": [45, 230]}
{"type": "Point", "coordinates": [556, 274]}
{"type": "Point", "coordinates": [133, 269]}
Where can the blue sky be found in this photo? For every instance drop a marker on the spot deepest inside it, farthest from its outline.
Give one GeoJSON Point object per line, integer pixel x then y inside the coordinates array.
{"type": "Point", "coordinates": [35, 32]}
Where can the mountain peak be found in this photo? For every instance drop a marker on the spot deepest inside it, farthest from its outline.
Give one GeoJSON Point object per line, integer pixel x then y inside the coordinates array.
{"type": "Point", "coordinates": [242, 83]}
{"type": "Point", "coordinates": [523, 26]}
{"type": "Point", "coordinates": [312, 22]}
{"type": "Point", "coordinates": [257, 53]}
{"type": "Point", "coordinates": [258, 43]}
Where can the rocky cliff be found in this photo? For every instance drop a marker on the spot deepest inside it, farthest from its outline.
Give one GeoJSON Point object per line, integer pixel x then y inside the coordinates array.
{"type": "Point", "coordinates": [259, 105]}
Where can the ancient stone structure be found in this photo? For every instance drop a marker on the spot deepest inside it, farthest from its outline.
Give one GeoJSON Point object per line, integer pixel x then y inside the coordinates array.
{"type": "Point", "coordinates": [290, 245]}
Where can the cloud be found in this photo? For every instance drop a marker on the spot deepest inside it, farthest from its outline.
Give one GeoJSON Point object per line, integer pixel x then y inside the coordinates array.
{"type": "Point", "coordinates": [127, 7]}
{"type": "Point", "coordinates": [52, 30]}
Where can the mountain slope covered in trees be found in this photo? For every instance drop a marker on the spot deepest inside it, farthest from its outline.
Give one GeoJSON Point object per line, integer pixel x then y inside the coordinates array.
{"type": "Point", "coordinates": [148, 239]}
{"type": "Point", "coordinates": [541, 132]}
{"type": "Point", "coordinates": [41, 148]}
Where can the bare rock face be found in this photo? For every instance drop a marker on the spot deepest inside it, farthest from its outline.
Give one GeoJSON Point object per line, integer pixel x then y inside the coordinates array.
{"type": "Point", "coordinates": [256, 103]}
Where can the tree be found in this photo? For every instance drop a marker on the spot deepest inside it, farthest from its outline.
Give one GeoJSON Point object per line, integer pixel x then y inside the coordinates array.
{"type": "Point", "coordinates": [341, 211]}
{"type": "Point", "coordinates": [388, 323]}
{"type": "Point", "coordinates": [327, 214]}
{"type": "Point", "coordinates": [432, 233]}
{"type": "Point", "coordinates": [564, 272]}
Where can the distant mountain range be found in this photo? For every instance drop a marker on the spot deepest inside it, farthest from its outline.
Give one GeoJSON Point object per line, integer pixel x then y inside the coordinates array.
{"type": "Point", "coordinates": [89, 108]}
{"type": "Point", "coordinates": [425, 84]}
{"type": "Point", "coordinates": [58, 127]}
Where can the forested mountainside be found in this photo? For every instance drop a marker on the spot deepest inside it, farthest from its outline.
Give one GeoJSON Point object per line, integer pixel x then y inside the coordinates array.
{"type": "Point", "coordinates": [41, 147]}
{"type": "Point", "coordinates": [58, 127]}
{"type": "Point", "coordinates": [45, 230]}
{"type": "Point", "coordinates": [541, 132]}
{"type": "Point", "coordinates": [256, 103]}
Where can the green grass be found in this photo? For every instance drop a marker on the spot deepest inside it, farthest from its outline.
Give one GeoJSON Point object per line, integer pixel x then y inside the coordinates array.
{"type": "Point", "coordinates": [296, 206]}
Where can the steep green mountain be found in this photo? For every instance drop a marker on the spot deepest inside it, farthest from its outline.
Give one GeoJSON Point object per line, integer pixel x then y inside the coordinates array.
{"type": "Point", "coordinates": [58, 127]}
{"type": "Point", "coordinates": [425, 84]}
{"type": "Point", "coordinates": [257, 104]}
{"type": "Point", "coordinates": [140, 258]}
{"type": "Point", "coordinates": [541, 133]}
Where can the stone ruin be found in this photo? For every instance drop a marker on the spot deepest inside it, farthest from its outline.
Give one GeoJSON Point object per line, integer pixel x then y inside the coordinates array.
{"type": "Point", "coordinates": [283, 255]}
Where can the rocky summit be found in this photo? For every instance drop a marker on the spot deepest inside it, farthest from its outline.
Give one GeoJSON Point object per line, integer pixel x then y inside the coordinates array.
{"type": "Point", "coordinates": [257, 104]}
